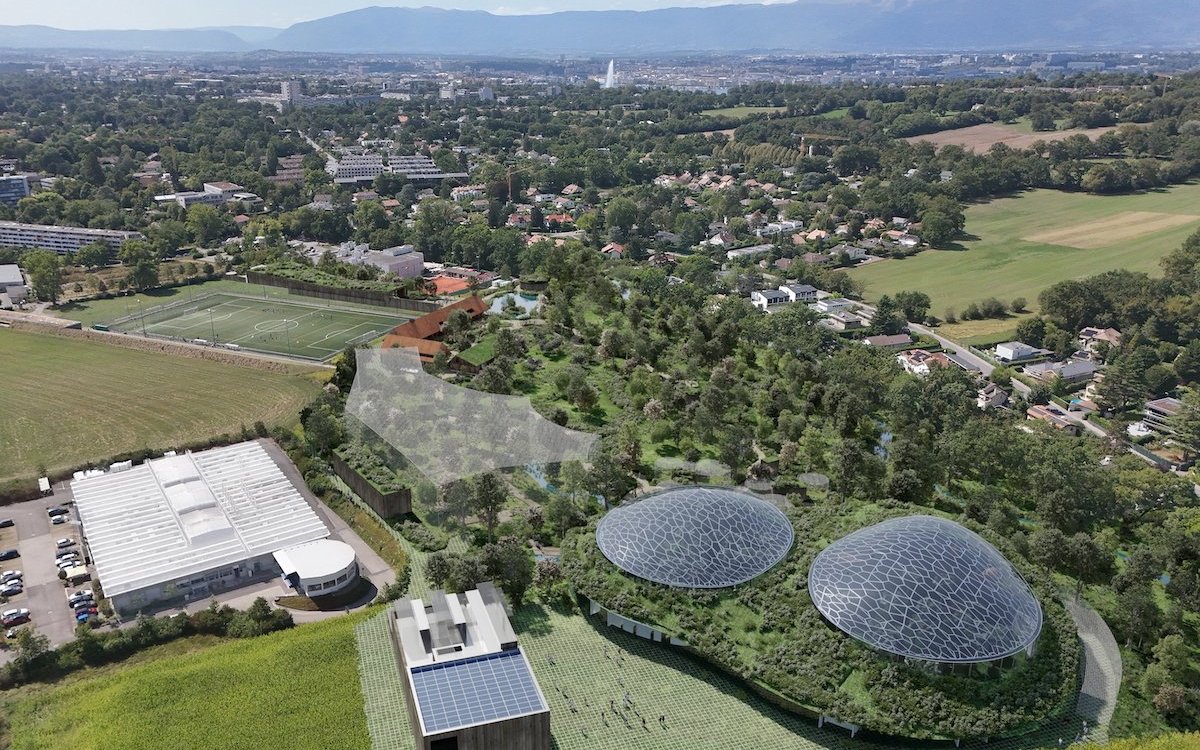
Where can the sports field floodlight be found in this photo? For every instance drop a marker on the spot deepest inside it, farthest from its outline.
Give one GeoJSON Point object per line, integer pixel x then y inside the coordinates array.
{"type": "Point", "coordinates": [449, 432]}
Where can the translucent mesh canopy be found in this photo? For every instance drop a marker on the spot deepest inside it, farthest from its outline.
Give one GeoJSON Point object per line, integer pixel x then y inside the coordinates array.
{"type": "Point", "coordinates": [925, 588]}
{"type": "Point", "coordinates": [696, 537]}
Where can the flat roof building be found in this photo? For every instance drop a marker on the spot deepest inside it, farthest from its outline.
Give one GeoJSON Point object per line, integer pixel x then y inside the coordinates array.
{"type": "Point", "coordinates": [12, 189]}
{"type": "Point", "coordinates": [468, 684]}
{"type": "Point", "coordinates": [12, 284]}
{"type": "Point", "coordinates": [61, 240]}
{"type": "Point", "coordinates": [181, 527]}
{"type": "Point", "coordinates": [319, 568]}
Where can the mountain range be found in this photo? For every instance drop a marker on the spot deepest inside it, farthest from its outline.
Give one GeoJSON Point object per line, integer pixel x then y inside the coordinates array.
{"type": "Point", "coordinates": [804, 26]}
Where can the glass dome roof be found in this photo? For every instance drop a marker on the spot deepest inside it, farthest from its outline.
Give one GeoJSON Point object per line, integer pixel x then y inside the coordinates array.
{"type": "Point", "coordinates": [925, 588]}
{"type": "Point", "coordinates": [696, 537]}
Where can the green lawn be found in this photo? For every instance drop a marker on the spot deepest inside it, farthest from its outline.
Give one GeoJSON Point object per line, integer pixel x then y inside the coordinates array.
{"type": "Point", "coordinates": [741, 111]}
{"type": "Point", "coordinates": [71, 401]}
{"type": "Point", "coordinates": [1005, 262]}
{"type": "Point", "coordinates": [297, 689]}
{"type": "Point", "coordinates": [482, 352]}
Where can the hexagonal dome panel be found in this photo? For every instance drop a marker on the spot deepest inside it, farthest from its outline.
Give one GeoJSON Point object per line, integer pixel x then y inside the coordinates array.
{"type": "Point", "coordinates": [925, 588]}
{"type": "Point", "coordinates": [696, 537]}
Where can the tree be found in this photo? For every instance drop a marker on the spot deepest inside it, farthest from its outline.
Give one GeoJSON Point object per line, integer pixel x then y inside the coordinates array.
{"type": "Point", "coordinates": [31, 645]}
{"type": "Point", "coordinates": [914, 305]}
{"type": "Point", "coordinates": [322, 429]}
{"type": "Point", "coordinates": [93, 255]}
{"type": "Point", "coordinates": [90, 170]}
{"type": "Point", "coordinates": [887, 319]}
{"type": "Point", "coordinates": [142, 264]}
{"type": "Point", "coordinates": [1187, 422]}
{"type": "Point", "coordinates": [1187, 364]}
{"type": "Point", "coordinates": [510, 565]}
{"type": "Point", "coordinates": [1042, 119]}
{"type": "Point", "coordinates": [45, 274]}
{"type": "Point", "coordinates": [621, 213]}
{"type": "Point", "coordinates": [488, 496]}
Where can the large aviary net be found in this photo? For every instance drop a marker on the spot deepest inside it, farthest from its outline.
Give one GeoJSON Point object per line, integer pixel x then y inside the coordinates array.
{"type": "Point", "coordinates": [449, 432]}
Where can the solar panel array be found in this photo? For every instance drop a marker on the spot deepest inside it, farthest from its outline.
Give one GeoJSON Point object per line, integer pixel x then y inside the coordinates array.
{"type": "Point", "coordinates": [476, 690]}
{"type": "Point", "coordinates": [925, 588]}
{"type": "Point", "coordinates": [696, 537]}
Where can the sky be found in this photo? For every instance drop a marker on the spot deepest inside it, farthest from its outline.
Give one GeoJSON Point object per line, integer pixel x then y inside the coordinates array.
{"type": "Point", "coordinates": [157, 14]}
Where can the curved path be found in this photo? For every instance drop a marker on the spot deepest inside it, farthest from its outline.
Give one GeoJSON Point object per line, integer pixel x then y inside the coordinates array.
{"type": "Point", "coordinates": [1101, 669]}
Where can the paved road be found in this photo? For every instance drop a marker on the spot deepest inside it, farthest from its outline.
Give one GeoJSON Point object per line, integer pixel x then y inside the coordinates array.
{"type": "Point", "coordinates": [1101, 670]}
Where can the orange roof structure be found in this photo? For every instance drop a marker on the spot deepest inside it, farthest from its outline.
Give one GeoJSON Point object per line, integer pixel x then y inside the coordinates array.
{"type": "Point", "coordinates": [421, 333]}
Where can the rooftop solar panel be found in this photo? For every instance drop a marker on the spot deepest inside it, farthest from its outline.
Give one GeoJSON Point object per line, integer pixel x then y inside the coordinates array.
{"type": "Point", "coordinates": [476, 690]}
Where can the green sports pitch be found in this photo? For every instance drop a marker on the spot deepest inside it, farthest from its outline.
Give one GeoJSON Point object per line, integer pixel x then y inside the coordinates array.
{"type": "Point", "coordinates": [313, 331]}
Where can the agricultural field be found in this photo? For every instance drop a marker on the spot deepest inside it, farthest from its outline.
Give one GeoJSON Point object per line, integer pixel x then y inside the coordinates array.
{"type": "Point", "coordinates": [310, 330]}
{"type": "Point", "coordinates": [979, 138]}
{"type": "Point", "coordinates": [1025, 244]}
{"type": "Point", "coordinates": [742, 111]}
{"type": "Point", "coordinates": [297, 688]}
{"type": "Point", "coordinates": [72, 401]}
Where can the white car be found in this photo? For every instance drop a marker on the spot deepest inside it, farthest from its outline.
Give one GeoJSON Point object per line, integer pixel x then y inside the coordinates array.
{"type": "Point", "coordinates": [59, 519]}
{"type": "Point", "coordinates": [68, 562]}
{"type": "Point", "coordinates": [8, 575]}
{"type": "Point", "coordinates": [79, 597]}
{"type": "Point", "coordinates": [11, 613]}
{"type": "Point", "coordinates": [65, 542]}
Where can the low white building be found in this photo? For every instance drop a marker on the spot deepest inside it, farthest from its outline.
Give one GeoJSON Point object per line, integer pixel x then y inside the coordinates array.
{"type": "Point", "coordinates": [319, 568]}
{"type": "Point", "coordinates": [12, 284]}
{"type": "Point", "coordinates": [765, 299]}
{"type": "Point", "coordinates": [1016, 351]}
{"type": "Point", "coordinates": [800, 292]}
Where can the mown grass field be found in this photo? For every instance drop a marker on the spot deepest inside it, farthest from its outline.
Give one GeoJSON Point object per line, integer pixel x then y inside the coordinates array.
{"type": "Point", "coordinates": [297, 689]}
{"type": "Point", "coordinates": [1011, 258]}
{"type": "Point", "coordinates": [70, 401]}
{"type": "Point", "coordinates": [741, 111]}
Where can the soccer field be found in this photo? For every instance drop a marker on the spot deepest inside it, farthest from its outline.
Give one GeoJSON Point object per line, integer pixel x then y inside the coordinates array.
{"type": "Point", "coordinates": [308, 330]}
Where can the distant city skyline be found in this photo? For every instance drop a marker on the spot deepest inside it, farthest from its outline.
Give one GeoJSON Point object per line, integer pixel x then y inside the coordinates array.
{"type": "Point", "coordinates": [138, 14]}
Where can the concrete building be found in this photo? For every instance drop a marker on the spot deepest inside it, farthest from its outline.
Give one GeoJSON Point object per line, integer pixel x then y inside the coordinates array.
{"type": "Point", "coordinates": [403, 261]}
{"type": "Point", "coordinates": [356, 168]}
{"type": "Point", "coordinates": [12, 189]}
{"type": "Point", "coordinates": [748, 252]}
{"type": "Point", "coordinates": [61, 240]}
{"type": "Point", "coordinates": [468, 684]}
{"type": "Point", "coordinates": [1016, 351]}
{"type": "Point", "coordinates": [800, 292]}
{"type": "Point", "coordinates": [765, 299]}
{"type": "Point", "coordinates": [181, 527]}
{"type": "Point", "coordinates": [12, 285]}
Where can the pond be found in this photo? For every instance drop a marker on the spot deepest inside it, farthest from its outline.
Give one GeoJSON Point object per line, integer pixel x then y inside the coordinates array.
{"type": "Point", "coordinates": [501, 303]}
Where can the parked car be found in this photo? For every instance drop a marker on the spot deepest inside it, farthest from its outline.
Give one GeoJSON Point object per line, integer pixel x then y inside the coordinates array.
{"type": "Point", "coordinates": [65, 542]}
{"type": "Point", "coordinates": [58, 519]}
{"type": "Point", "coordinates": [80, 596]}
{"type": "Point", "coordinates": [86, 611]}
{"type": "Point", "coordinates": [9, 554]}
{"type": "Point", "coordinates": [12, 589]}
{"type": "Point", "coordinates": [66, 553]}
{"type": "Point", "coordinates": [5, 523]}
{"type": "Point", "coordinates": [8, 575]}
{"type": "Point", "coordinates": [12, 617]}
{"type": "Point", "coordinates": [57, 510]}
{"type": "Point", "coordinates": [68, 562]}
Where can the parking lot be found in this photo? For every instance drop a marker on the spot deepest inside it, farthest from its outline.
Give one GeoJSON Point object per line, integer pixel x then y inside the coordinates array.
{"type": "Point", "coordinates": [44, 596]}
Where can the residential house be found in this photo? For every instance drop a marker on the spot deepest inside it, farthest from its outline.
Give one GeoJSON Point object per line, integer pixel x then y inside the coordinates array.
{"type": "Point", "coordinates": [852, 252]}
{"type": "Point", "coordinates": [800, 292]}
{"type": "Point", "coordinates": [1159, 412]}
{"type": "Point", "coordinates": [748, 252]}
{"type": "Point", "coordinates": [613, 250]}
{"type": "Point", "coordinates": [896, 341]}
{"type": "Point", "coordinates": [1071, 372]}
{"type": "Point", "coordinates": [840, 320]}
{"type": "Point", "coordinates": [1053, 416]}
{"type": "Point", "coordinates": [765, 299]}
{"type": "Point", "coordinates": [572, 189]}
{"type": "Point", "coordinates": [832, 305]}
{"type": "Point", "coordinates": [920, 362]}
{"type": "Point", "coordinates": [1016, 351]}
{"type": "Point", "coordinates": [1090, 338]}
{"type": "Point", "coordinates": [991, 396]}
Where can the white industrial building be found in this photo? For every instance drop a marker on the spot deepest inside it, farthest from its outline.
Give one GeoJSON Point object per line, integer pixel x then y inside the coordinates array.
{"type": "Point", "coordinates": [182, 527]}
{"type": "Point", "coordinates": [61, 240]}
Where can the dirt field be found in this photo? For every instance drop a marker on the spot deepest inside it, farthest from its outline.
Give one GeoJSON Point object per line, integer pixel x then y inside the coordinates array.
{"type": "Point", "coordinates": [1121, 227]}
{"type": "Point", "coordinates": [982, 137]}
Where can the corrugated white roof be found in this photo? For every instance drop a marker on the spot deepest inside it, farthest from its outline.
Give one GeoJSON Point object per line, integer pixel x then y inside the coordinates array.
{"type": "Point", "coordinates": [177, 516]}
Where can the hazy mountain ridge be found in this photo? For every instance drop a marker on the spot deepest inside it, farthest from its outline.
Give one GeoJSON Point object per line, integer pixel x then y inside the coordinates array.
{"type": "Point", "coordinates": [819, 26]}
